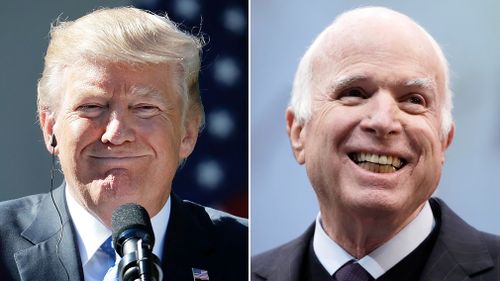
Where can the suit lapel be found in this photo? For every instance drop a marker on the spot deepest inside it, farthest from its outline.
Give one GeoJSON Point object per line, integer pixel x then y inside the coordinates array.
{"type": "Point", "coordinates": [40, 262]}
{"type": "Point", "coordinates": [458, 252]}
{"type": "Point", "coordinates": [189, 242]}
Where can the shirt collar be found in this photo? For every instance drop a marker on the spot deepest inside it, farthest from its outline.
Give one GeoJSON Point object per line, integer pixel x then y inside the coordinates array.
{"type": "Point", "coordinates": [332, 256]}
{"type": "Point", "coordinates": [160, 224]}
{"type": "Point", "coordinates": [91, 232]}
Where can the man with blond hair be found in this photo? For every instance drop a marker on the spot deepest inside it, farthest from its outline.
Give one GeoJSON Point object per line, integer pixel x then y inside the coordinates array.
{"type": "Point", "coordinates": [119, 105]}
{"type": "Point", "coordinates": [370, 119]}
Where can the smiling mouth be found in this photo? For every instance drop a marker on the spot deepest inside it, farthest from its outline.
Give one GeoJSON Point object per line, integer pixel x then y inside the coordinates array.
{"type": "Point", "coordinates": [377, 163]}
{"type": "Point", "coordinates": [116, 158]}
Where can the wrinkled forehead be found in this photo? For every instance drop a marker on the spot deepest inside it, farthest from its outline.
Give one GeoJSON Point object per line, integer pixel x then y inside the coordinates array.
{"type": "Point", "coordinates": [104, 79]}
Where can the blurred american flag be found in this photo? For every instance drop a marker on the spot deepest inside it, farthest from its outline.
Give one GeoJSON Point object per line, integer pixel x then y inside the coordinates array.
{"type": "Point", "coordinates": [216, 174]}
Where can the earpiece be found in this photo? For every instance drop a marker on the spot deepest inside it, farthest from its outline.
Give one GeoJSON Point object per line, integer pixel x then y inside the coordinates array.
{"type": "Point", "coordinates": [53, 141]}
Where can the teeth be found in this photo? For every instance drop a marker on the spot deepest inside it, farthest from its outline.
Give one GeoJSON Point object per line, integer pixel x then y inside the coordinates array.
{"type": "Point", "coordinates": [376, 168]}
{"type": "Point", "coordinates": [391, 163]}
{"type": "Point", "coordinates": [396, 162]}
{"type": "Point", "coordinates": [382, 160]}
{"type": "Point", "coordinates": [364, 157]}
{"type": "Point", "coordinates": [360, 157]}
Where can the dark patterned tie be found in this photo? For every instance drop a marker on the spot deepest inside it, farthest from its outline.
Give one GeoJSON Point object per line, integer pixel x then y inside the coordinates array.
{"type": "Point", "coordinates": [352, 271]}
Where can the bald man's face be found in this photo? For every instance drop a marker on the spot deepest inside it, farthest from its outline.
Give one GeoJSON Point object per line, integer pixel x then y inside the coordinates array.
{"type": "Point", "coordinates": [373, 143]}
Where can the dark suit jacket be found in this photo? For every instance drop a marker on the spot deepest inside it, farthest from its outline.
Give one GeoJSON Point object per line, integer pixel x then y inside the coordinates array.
{"type": "Point", "coordinates": [460, 253]}
{"type": "Point", "coordinates": [197, 237]}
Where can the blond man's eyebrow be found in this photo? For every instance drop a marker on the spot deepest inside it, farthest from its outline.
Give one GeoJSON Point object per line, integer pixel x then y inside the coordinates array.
{"type": "Point", "coordinates": [85, 89]}
{"type": "Point", "coordinates": [146, 91]}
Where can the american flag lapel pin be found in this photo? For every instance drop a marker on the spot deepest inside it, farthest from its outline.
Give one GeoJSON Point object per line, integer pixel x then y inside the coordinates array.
{"type": "Point", "coordinates": [200, 274]}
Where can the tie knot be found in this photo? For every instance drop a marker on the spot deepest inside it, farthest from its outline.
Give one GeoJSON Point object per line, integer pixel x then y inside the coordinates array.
{"type": "Point", "coordinates": [107, 247]}
{"type": "Point", "coordinates": [352, 271]}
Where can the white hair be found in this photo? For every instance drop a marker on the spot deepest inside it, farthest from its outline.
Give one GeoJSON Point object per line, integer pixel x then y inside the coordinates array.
{"type": "Point", "coordinates": [301, 96]}
{"type": "Point", "coordinates": [127, 35]}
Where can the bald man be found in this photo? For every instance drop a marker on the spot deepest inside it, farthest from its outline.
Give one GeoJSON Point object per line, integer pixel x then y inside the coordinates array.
{"type": "Point", "coordinates": [370, 120]}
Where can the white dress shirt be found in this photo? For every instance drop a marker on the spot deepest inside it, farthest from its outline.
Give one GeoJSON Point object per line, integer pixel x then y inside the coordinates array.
{"type": "Point", "coordinates": [91, 233]}
{"type": "Point", "coordinates": [378, 262]}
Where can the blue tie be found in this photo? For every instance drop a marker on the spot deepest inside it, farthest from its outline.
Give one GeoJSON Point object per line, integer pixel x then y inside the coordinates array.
{"type": "Point", "coordinates": [112, 274]}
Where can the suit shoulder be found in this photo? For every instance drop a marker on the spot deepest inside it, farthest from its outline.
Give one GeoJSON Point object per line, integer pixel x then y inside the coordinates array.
{"type": "Point", "coordinates": [262, 261]}
{"type": "Point", "coordinates": [15, 216]}
{"type": "Point", "coordinates": [21, 203]}
{"type": "Point", "coordinates": [228, 233]}
{"type": "Point", "coordinates": [219, 219]}
{"type": "Point", "coordinates": [492, 243]}
{"type": "Point", "coordinates": [21, 210]}
{"type": "Point", "coordinates": [288, 254]}
{"type": "Point", "coordinates": [454, 226]}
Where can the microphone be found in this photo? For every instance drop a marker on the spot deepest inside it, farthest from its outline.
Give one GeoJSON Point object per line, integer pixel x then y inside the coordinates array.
{"type": "Point", "coordinates": [133, 239]}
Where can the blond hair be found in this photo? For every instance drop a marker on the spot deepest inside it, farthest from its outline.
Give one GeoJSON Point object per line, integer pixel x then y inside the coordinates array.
{"type": "Point", "coordinates": [127, 35]}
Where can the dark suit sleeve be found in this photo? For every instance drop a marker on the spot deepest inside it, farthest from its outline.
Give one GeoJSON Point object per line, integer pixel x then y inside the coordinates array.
{"type": "Point", "coordinates": [231, 234]}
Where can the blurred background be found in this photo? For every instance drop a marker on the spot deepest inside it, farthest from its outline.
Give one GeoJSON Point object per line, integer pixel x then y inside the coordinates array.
{"type": "Point", "coordinates": [217, 172]}
{"type": "Point", "coordinates": [283, 203]}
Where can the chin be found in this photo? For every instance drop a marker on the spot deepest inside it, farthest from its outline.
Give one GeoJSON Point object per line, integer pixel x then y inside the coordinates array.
{"type": "Point", "coordinates": [378, 202]}
{"type": "Point", "coordinates": [116, 188]}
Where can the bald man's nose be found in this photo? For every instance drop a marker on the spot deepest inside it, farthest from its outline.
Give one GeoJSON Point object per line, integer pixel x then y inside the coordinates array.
{"type": "Point", "coordinates": [382, 117]}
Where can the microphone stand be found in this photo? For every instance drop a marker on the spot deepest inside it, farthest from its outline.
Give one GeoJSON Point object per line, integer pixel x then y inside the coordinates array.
{"type": "Point", "coordinates": [140, 264]}
{"type": "Point", "coordinates": [144, 265]}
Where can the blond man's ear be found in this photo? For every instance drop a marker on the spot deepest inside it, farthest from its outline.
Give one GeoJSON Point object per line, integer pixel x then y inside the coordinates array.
{"type": "Point", "coordinates": [190, 134]}
{"type": "Point", "coordinates": [47, 122]}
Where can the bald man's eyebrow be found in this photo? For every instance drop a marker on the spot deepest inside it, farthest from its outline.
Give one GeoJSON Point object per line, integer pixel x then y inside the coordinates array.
{"type": "Point", "coordinates": [425, 83]}
{"type": "Point", "coordinates": [345, 81]}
